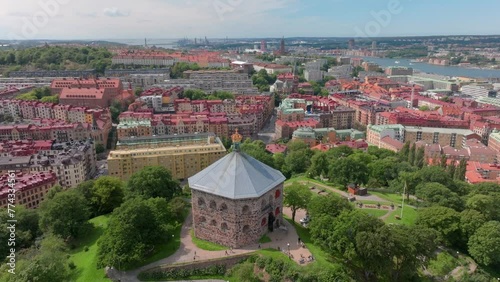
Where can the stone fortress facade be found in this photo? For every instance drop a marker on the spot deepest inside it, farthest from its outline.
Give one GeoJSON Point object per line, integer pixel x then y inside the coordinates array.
{"type": "Point", "coordinates": [236, 200]}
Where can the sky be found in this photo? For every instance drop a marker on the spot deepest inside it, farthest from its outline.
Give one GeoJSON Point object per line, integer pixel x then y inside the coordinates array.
{"type": "Point", "coordinates": [126, 19]}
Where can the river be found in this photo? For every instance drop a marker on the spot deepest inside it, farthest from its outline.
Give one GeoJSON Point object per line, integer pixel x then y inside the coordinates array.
{"type": "Point", "coordinates": [452, 71]}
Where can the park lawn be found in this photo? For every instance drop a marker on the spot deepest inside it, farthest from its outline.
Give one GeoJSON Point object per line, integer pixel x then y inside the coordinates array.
{"type": "Point", "coordinates": [375, 212]}
{"type": "Point", "coordinates": [206, 245]}
{"type": "Point", "coordinates": [409, 216]}
{"type": "Point", "coordinates": [313, 181]}
{"type": "Point", "coordinates": [86, 261]}
{"type": "Point", "coordinates": [391, 197]}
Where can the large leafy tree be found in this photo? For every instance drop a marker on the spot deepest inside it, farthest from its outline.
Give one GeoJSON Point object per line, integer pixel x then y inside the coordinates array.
{"type": "Point", "coordinates": [65, 215]}
{"type": "Point", "coordinates": [331, 205]}
{"type": "Point", "coordinates": [442, 219]}
{"type": "Point", "coordinates": [297, 196]}
{"type": "Point", "coordinates": [152, 182]}
{"type": "Point", "coordinates": [48, 263]}
{"type": "Point", "coordinates": [382, 171]}
{"type": "Point", "coordinates": [438, 194]}
{"type": "Point", "coordinates": [27, 229]}
{"type": "Point", "coordinates": [319, 164]}
{"type": "Point", "coordinates": [395, 253]}
{"type": "Point", "coordinates": [257, 149]}
{"type": "Point", "coordinates": [107, 194]}
{"type": "Point", "coordinates": [298, 161]}
{"type": "Point", "coordinates": [135, 228]}
{"type": "Point", "coordinates": [470, 221]}
{"type": "Point", "coordinates": [484, 245]}
{"type": "Point", "coordinates": [348, 170]}
{"type": "Point", "coordinates": [485, 204]}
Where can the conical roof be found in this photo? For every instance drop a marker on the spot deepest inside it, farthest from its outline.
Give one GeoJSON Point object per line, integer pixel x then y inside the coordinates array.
{"type": "Point", "coordinates": [237, 176]}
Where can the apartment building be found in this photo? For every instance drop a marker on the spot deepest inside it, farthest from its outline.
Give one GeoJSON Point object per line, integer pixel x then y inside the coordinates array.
{"type": "Point", "coordinates": [184, 154]}
{"type": "Point", "coordinates": [452, 137]}
{"type": "Point", "coordinates": [31, 188]}
{"type": "Point", "coordinates": [72, 162]}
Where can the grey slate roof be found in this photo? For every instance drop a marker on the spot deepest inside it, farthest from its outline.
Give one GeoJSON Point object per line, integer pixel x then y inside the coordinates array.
{"type": "Point", "coordinates": [237, 176]}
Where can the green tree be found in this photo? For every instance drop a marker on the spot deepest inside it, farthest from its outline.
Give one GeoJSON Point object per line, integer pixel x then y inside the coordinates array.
{"type": "Point", "coordinates": [485, 204]}
{"type": "Point", "coordinates": [298, 161]}
{"type": "Point", "coordinates": [444, 220]}
{"type": "Point", "coordinates": [279, 162]}
{"type": "Point", "coordinates": [48, 264]}
{"type": "Point", "coordinates": [50, 99]}
{"type": "Point", "coordinates": [420, 157]}
{"type": "Point", "coordinates": [99, 148]}
{"type": "Point", "coordinates": [107, 194]}
{"type": "Point", "coordinates": [152, 182]}
{"type": "Point", "coordinates": [257, 149]}
{"type": "Point", "coordinates": [26, 229]}
{"type": "Point", "coordinates": [412, 154]}
{"type": "Point", "coordinates": [297, 196]}
{"type": "Point", "coordinates": [319, 164]}
{"type": "Point", "coordinates": [134, 229]}
{"type": "Point", "coordinates": [461, 169]}
{"type": "Point", "coordinates": [138, 91]}
{"type": "Point", "coordinates": [484, 245]}
{"type": "Point", "coordinates": [53, 191]}
{"type": "Point", "coordinates": [348, 170]}
{"type": "Point", "coordinates": [65, 215]}
{"type": "Point", "coordinates": [380, 153]}
{"type": "Point", "coordinates": [382, 171]}
{"type": "Point", "coordinates": [331, 205]}
{"type": "Point", "coordinates": [450, 169]}
{"type": "Point", "coordinates": [470, 221]}
{"type": "Point", "coordinates": [444, 161]}
{"type": "Point", "coordinates": [437, 193]}
{"type": "Point", "coordinates": [405, 151]}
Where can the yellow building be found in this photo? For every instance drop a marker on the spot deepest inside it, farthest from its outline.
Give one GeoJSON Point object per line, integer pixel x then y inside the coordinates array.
{"type": "Point", "coordinates": [184, 155]}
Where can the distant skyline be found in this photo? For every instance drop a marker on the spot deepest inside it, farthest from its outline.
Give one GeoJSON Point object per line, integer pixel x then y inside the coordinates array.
{"type": "Point", "coordinates": [113, 19]}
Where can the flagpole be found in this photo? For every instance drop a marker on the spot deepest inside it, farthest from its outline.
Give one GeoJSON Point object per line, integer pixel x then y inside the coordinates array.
{"type": "Point", "coordinates": [403, 202]}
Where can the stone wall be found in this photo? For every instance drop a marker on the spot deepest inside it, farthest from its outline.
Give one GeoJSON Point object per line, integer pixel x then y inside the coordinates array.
{"type": "Point", "coordinates": [228, 262]}
{"type": "Point", "coordinates": [235, 223]}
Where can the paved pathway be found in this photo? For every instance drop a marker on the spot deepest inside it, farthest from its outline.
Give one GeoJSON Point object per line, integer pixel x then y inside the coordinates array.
{"type": "Point", "coordinates": [188, 252]}
{"type": "Point", "coordinates": [342, 193]}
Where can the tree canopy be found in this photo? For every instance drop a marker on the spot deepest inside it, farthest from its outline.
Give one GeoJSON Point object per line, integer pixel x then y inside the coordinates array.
{"type": "Point", "coordinates": [484, 245]}
{"type": "Point", "coordinates": [152, 182]}
{"type": "Point", "coordinates": [297, 196]}
{"type": "Point", "coordinates": [65, 215]}
{"type": "Point", "coordinates": [134, 229]}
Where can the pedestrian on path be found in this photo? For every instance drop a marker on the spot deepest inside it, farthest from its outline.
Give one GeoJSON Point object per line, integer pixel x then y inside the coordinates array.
{"type": "Point", "coordinates": [225, 252]}
{"type": "Point", "coordinates": [298, 243]}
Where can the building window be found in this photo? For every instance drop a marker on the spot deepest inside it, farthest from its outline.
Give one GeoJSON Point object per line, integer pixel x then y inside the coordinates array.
{"type": "Point", "coordinates": [201, 203]}
{"type": "Point", "coordinates": [223, 227]}
{"type": "Point", "coordinates": [202, 220]}
{"type": "Point", "coordinates": [213, 205]}
{"type": "Point", "coordinates": [277, 211]}
{"type": "Point", "coordinates": [223, 207]}
{"type": "Point", "coordinates": [213, 222]}
{"type": "Point", "coordinates": [277, 194]}
{"type": "Point", "coordinates": [245, 210]}
{"type": "Point", "coordinates": [246, 229]}
{"type": "Point", "coordinates": [264, 221]}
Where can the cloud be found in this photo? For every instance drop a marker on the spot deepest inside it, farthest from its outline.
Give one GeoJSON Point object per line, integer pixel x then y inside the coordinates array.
{"type": "Point", "coordinates": [115, 12]}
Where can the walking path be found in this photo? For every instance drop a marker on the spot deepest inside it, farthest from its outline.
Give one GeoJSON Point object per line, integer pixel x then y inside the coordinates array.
{"type": "Point", "coordinates": [342, 193]}
{"type": "Point", "coordinates": [188, 252]}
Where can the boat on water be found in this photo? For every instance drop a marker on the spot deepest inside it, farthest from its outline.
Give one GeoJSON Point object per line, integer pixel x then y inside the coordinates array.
{"type": "Point", "coordinates": [411, 64]}
{"type": "Point", "coordinates": [396, 62]}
